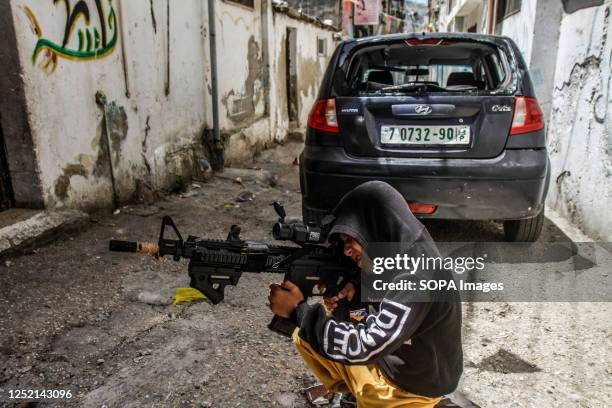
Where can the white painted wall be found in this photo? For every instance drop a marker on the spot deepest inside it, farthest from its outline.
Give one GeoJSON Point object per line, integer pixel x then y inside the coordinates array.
{"type": "Point", "coordinates": [161, 136]}
{"type": "Point", "coordinates": [580, 127]}
{"type": "Point", "coordinates": [241, 35]}
{"type": "Point", "coordinates": [519, 27]}
{"type": "Point", "coordinates": [471, 11]}
{"type": "Point", "coordinates": [67, 122]}
{"type": "Point", "coordinates": [242, 110]}
{"type": "Point", "coordinates": [311, 67]}
{"type": "Point", "coordinates": [474, 17]}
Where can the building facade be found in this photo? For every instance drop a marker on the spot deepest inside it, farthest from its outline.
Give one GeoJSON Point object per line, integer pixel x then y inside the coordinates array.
{"type": "Point", "coordinates": [102, 97]}
{"type": "Point", "coordinates": [568, 49]}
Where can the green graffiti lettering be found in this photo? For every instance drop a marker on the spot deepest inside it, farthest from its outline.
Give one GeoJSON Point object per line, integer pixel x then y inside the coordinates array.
{"type": "Point", "coordinates": [80, 34]}
{"type": "Point", "coordinates": [90, 46]}
{"type": "Point", "coordinates": [96, 38]}
{"type": "Point", "coordinates": [88, 36]}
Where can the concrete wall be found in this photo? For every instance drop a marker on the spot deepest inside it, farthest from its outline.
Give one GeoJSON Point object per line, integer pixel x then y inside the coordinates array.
{"type": "Point", "coordinates": [474, 18]}
{"type": "Point", "coordinates": [137, 112]}
{"type": "Point", "coordinates": [311, 67]}
{"type": "Point", "coordinates": [544, 57]}
{"type": "Point", "coordinates": [580, 126]}
{"type": "Point", "coordinates": [151, 132]}
{"type": "Point", "coordinates": [15, 129]}
{"type": "Point", "coordinates": [242, 80]}
{"type": "Point", "coordinates": [252, 53]}
{"type": "Point", "coordinates": [520, 27]}
{"type": "Point", "coordinates": [465, 14]}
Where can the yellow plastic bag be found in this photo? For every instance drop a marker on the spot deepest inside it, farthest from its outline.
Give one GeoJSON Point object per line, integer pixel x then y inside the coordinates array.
{"type": "Point", "coordinates": [188, 295]}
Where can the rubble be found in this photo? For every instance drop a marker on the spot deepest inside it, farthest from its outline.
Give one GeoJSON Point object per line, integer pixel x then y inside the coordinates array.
{"type": "Point", "coordinates": [245, 196]}
{"type": "Point", "coordinates": [156, 299]}
{"type": "Point", "coordinates": [203, 171]}
{"type": "Point", "coordinates": [241, 176]}
{"type": "Point", "coordinates": [40, 228]}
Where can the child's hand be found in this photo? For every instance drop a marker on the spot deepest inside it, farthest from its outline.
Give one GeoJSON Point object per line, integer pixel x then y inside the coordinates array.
{"type": "Point", "coordinates": [332, 302]}
{"type": "Point", "coordinates": [284, 298]}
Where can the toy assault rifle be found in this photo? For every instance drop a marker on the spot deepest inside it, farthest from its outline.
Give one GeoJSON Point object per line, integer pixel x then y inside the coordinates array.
{"type": "Point", "coordinates": [215, 264]}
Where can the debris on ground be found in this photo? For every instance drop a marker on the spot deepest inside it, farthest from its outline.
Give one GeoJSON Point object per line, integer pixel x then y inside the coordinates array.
{"type": "Point", "coordinates": [231, 205]}
{"type": "Point", "coordinates": [144, 211]}
{"type": "Point", "coordinates": [286, 399]}
{"type": "Point", "coordinates": [190, 193]}
{"type": "Point", "coordinates": [22, 231]}
{"type": "Point", "coordinates": [203, 171]}
{"type": "Point", "coordinates": [188, 295]}
{"type": "Point", "coordinates": [245, 196]}
{"type": "Point", "coordinates": [241, 176]}
{"type": "Point", "coordinates": [141, 355]}
{"type": "Point", "coordinates": [145, 192]}
{"type": "Point", "coordinates": [273, 180]}
{"type": "Point", "coordinates": [155, 299]}
{"type": "Point", "coordinates": [319, 395]}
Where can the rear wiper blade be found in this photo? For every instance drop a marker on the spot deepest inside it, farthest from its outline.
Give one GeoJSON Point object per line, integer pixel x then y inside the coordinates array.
{"type": "Point", "coordinates": [408, 86]}
{"type": "Point", "coordinates": [461, 88]}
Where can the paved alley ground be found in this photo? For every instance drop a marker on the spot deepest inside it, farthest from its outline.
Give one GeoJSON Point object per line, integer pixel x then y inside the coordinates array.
{"type": "Point", "coordinates": [75, 316]}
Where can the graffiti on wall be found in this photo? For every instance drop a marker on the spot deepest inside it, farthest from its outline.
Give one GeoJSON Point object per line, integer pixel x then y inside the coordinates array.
{"type": "Point", "coordinates": [89, 42]}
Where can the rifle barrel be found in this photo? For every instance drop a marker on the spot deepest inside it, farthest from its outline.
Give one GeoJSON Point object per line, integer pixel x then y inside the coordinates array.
{"type": "Point", "coordinates": [149, 248]}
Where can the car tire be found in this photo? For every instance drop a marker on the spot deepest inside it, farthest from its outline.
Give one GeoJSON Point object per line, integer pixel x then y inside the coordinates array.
{"type": "Point", "coordinates": [527, 230]}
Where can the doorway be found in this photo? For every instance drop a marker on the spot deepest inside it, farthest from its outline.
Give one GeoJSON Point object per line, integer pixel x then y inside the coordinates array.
{"type": "Point", "coordinates": [292, 92]}
{"type": "Point", "coordinates": [6, 190]}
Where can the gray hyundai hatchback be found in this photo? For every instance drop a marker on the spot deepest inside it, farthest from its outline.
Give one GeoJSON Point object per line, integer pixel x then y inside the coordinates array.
{"type": "Point", "coordinates": [450, 120]}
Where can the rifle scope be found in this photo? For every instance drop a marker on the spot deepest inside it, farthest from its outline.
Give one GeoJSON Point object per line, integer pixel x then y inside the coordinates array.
{"type": "Point", "coordinates": [298, 233]}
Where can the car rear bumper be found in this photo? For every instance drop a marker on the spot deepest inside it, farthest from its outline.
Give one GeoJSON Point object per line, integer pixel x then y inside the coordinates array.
{"type": "Point", "coordinates": [510, 186]}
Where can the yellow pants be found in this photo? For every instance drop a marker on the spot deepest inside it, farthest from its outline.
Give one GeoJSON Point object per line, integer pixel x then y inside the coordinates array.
{"type": "Point", "coordinates": [366, 383]}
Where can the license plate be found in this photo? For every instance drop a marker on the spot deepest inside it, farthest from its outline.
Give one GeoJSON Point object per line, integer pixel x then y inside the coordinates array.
{"type": "Point", "coordinates": [425, 135]}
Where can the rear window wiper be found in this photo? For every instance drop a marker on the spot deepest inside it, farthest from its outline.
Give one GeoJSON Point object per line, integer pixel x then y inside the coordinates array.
{"type": "Point", "coordinates": [408, 86]}
{"type": "Point", "coordinates": [461, 88]}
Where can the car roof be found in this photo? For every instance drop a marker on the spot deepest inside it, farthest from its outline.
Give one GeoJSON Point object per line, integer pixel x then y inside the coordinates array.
{"type": "Point", "coordinates": [376, 39]}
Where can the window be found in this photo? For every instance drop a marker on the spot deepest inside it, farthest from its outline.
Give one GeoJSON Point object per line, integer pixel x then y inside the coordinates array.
{"type": "Point", "coordinates": [322, 47]}
{"type": "Point", "coordinates": [506, 8]}
{"type": "Point", "coordinates": [573, 5]}
{"type": "Point", "coordinates": [453, 66]}
{"type": "Point", "coordinates": [458, 23]}
{"type": "Point", "coordinates": [245, 3]}
{"type": "Point", "coordinates": [497, 72]}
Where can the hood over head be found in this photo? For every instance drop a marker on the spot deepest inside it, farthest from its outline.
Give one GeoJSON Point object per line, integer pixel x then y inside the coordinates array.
{"type": "Point", "coordinates": [376, 212]}
{"type": "Point", "coordinates": [378, 217]}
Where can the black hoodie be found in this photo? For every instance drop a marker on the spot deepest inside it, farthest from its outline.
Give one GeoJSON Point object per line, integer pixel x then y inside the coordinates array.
{"type": "Point", "coordinates": [416, 345]}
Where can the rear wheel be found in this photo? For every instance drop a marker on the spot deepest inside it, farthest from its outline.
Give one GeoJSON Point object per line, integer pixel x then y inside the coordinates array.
{"type": "Point", "coordinates": [527, 230]}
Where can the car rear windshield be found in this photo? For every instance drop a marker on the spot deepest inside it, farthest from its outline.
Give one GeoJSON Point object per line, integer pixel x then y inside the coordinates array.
{"type": "Point", "coordinates": [457, 66]}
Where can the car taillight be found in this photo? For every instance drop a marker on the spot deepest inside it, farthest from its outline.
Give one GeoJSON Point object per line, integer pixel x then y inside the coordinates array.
{"type": "Point", "coordinates": [420, 208]}
{"type": "Point", "coordinates": [528, 116]}
{"type": "Point", "coordinates": [323, 116]}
